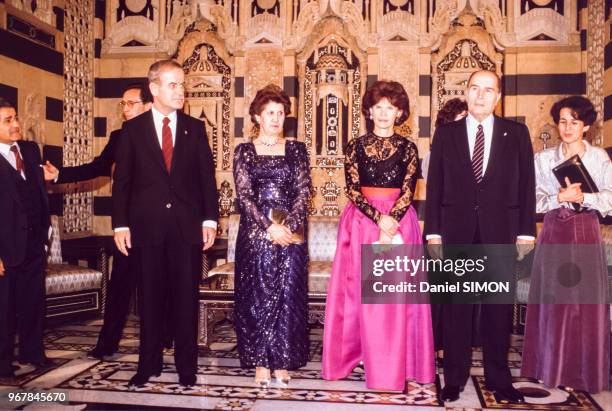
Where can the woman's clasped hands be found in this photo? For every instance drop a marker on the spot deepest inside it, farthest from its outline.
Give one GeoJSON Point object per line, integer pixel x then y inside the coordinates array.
{"type": "Point", "coordinates": [571, 193]}
{"type": "Point", "coordinates": [279, 234]}
{"type": "Point", "coordinates": [388, 228]}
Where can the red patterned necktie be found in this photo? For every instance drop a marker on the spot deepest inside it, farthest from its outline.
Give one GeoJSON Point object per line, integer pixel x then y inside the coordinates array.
{"type": "Point", "coordinates": [18, 160]}
{"type": "Point", "coordinates": [478, 156]}
{"type": "Point", "coordinates": [167, 143]}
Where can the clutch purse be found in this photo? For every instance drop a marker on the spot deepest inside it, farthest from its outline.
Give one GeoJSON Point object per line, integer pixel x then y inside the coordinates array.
{"type": "Point", "coordinates": [279, 216]}
{"type": "Point", "coordinates": [573, 168]}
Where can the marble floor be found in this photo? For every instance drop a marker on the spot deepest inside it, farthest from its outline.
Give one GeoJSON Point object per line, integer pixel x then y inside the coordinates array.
{"type": "Point", "coordinates": [79, 383]}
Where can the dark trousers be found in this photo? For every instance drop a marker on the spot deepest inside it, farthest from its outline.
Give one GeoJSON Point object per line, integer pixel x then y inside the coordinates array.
{"type": "Point", "coordinates": [168, 272]}
{"type": "Point", "coordinates": [22, 308]}
{"type": "Point", "coordinates": [121, 287]}
{"type": "Point", "coordinates": [496, 320]}
{"type": "Point", "coordinates": [460, 326]}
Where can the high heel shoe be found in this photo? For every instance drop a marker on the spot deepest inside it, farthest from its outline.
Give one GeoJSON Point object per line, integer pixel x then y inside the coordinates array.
{"type": "Point", "coordinates": [282, 379]}
{"type": "Point", "coordinates": [262, 381]}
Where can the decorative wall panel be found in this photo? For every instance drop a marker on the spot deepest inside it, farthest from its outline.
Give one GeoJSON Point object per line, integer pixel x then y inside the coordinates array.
{"type": "Point", "coordinates": [78, 110]}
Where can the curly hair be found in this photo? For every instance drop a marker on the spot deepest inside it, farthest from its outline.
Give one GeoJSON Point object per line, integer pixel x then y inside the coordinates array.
{"type": "Point", "coordinates": [581, 108]}
{"type": "Point", "coordinates": [392, 91]}
{"type": "Point", "coordinates": [270, 93]}
{"type": "Point", "coordinates": [450, 110]}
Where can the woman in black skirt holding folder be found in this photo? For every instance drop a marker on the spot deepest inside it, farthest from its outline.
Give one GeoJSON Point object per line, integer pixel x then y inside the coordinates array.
{"type": "Point", "coordinates": [567, 335]}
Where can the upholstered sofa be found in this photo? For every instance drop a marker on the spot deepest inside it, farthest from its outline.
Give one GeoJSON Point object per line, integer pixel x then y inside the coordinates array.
{"type": "Point", "coordinates": [217, 290]}
{"type": "Point", "coordinates": [73, 291]}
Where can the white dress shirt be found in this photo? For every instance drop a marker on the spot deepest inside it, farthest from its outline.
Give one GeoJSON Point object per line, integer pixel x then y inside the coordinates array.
{"type": "Point", "coordinates": [158, 122]}
{"type": "Point", "coordinates": [472, 129]}
{"type": "Point", "coordinates": [596, 161]}
{"type": "Point", "coordinates": [5, 150]}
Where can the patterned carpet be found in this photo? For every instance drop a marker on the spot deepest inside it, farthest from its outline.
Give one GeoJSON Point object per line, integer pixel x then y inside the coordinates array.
{"type": "Point", "coordinates": [223, 385]}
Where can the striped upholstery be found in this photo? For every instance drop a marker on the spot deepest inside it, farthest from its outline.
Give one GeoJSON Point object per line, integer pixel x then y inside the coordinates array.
{"type": "Point", "coordinates": [63, 278]}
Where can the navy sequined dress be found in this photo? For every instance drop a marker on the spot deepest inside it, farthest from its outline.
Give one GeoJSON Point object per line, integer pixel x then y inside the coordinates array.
{"type": "Point", "coordinates": [271, 282]}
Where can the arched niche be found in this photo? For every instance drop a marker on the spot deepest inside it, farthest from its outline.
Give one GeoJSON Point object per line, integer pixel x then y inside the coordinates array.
{"type": "Point", "coordinates": [467, 47]}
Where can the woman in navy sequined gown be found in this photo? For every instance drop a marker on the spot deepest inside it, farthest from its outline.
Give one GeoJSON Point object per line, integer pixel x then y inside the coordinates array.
{"type": "Point", "coordinates": [271, 280]}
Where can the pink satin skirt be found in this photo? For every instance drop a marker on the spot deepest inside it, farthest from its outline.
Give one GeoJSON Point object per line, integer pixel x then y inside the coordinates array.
{"type": "Point", "coordinates": [394, 341]}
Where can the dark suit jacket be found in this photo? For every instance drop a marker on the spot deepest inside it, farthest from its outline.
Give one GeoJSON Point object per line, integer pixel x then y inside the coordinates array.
{"type": "Point", "coordinates": [502, 205]}
{"type": "Point", "coordinates": [146, 197]}
{"type": "Point", "coordinates": [99, 166]}
{"type": "Point", "coordinates": [13, 221]}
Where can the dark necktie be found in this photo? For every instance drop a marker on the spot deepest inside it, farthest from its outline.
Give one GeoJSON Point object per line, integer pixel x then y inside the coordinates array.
{"type": "Point", "coordinates": [167, 143]}
{"type": "Point", "coordinates": [18, 160]}
{"type": "Point", "coordinates": [478, 157]}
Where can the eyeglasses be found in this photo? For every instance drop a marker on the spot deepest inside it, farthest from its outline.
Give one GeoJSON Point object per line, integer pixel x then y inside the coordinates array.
{"type": "Point", "coordinates": [129, 104]}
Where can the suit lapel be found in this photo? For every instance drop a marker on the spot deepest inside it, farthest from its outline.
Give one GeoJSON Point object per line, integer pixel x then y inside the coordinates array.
{"type": "Point", "coordinates": [498, 142]}
{"type": "Point", "coordinates": [151, 139]}
{"type": "Point", "coordinates": [10, 173]}
{"type": "Point", "coordinates": [461, 143]}
{"type": "Point", "coordinates": [29, 163]}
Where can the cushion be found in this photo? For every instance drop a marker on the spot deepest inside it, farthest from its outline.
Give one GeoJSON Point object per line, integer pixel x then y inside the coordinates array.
{"type": "Point", "coordinates": [232, 234]}
{"type": "Point", "coordinates": [64, 278]}
{"type": "Point", "coordinates": [55, 249]}
{"type": "Point", "coordinates": [522, 290]}
{"type": "Point", "coordinates": [322, 235]}
{"type": "Point", "coordinates": [319, 273]}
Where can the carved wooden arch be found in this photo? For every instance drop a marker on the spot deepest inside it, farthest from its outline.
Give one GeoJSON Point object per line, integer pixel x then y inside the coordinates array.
{"type": "Point", "coordinates": [467, 28]}
{"type": "Point", "coordinates": [206, 45]}
{"type": "Point", "coordinates": [325, 31]}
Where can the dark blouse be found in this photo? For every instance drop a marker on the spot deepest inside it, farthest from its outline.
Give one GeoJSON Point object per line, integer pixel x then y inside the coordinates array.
{"type": "Point", "coordinates": [372, 161]}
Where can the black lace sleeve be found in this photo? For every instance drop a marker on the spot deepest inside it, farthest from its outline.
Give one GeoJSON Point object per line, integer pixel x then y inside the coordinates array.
{"type": "Point", "coordinates": [353, 186]}
{"type": "Point", "coordinates": [401, 205]}
{"type": "Point", "coordinates": [243, 156]}
{"type": "Point", "coordinates": [297, 215]}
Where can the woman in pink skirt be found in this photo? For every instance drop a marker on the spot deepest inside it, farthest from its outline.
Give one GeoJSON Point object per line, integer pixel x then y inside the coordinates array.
{"type": "Point", "coordinates": [394, 341]}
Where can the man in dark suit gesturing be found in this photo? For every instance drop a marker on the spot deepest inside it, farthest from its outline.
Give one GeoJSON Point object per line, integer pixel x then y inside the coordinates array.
{"type": "Point", "coordinates": [165, 213]}
{"type": "Point", "coordinates": [24, 231]}
{"type": "Point", "coordinates": [135, 100]}
{"type": "Point", "coordinates": [480, 190]}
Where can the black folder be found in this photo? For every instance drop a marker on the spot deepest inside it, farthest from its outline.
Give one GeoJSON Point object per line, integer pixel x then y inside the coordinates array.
{"type": "Point", "coordinates": [573, 168]}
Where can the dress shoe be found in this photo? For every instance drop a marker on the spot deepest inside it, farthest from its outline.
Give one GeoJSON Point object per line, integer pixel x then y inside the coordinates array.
{"type": "Point", "coordinates": [138, 380]}
{"type": "Point", "coordinates": [282, 378]}
{"type": "Point", "coordinates": [41, 363]}
{"type": "Point", "coordinates": [7, 374]}
{"type": "Point", "coordinates": [509, 394]}
{"type": "Point", "coordinates": [262, 377]}
{"type": "Point", "coordinates": [187, 380]}
{"type": "Point", "coordinates": [450, 393]}
{"type": "Point", "coordinates": [98, 353]}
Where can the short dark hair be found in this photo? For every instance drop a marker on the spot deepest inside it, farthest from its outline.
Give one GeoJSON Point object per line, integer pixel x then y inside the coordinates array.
{"type": "Point", "coordinates": [581, 108]}
{"type": "Point", "coordinates": [145, 94]}
{"type": "Point", "coordinates": [499, 84]}
{"type": "Point", "coordinates": [392, 91]}
{"type": "Point", "coordinates": [450, 110]}
{"type": "Point", "coordinates": [270, 93]}
{"type": "Point", "coordinates": [4, 103]}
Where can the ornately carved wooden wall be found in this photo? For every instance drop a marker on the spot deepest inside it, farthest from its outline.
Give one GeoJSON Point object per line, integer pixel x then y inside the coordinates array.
{"type": "Point", "coordinates": [324, 53]}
